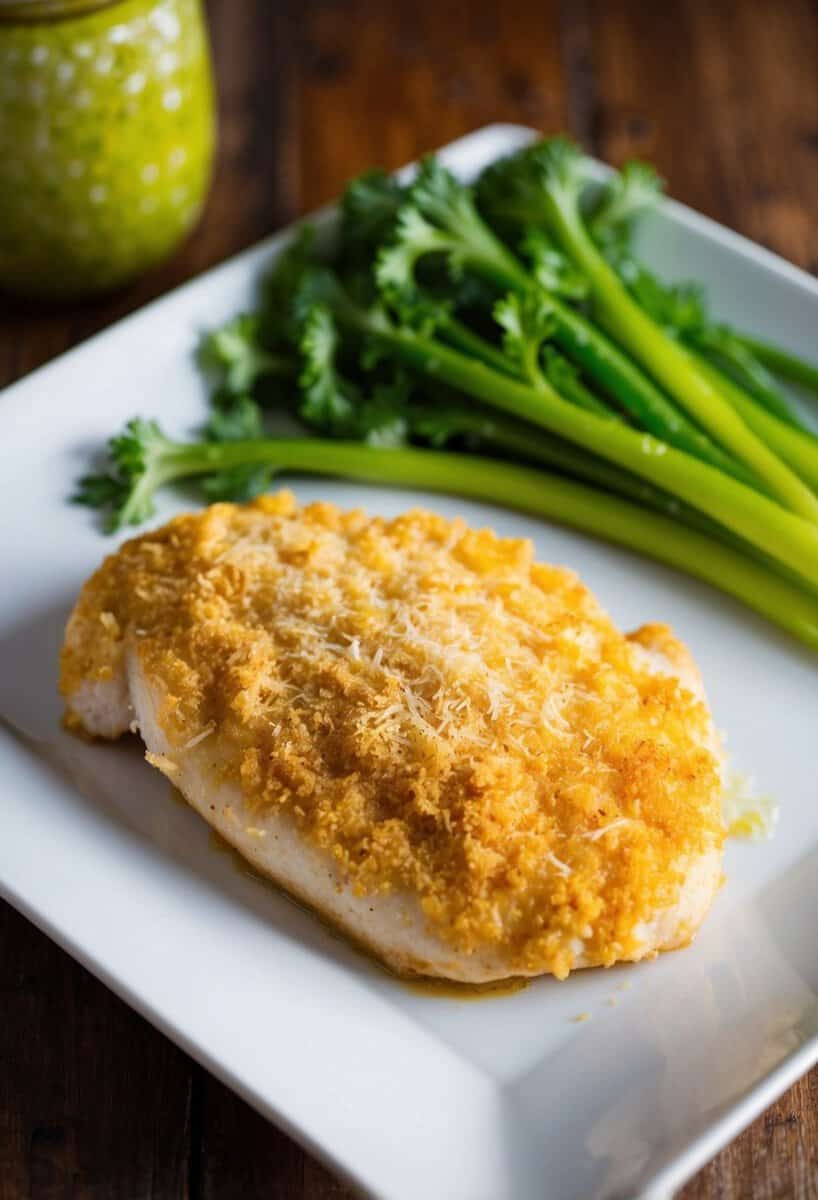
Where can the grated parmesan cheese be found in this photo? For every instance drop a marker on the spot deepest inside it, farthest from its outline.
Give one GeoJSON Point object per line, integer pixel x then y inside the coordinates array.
{"type": "Point", "coordinates": [199, 737]}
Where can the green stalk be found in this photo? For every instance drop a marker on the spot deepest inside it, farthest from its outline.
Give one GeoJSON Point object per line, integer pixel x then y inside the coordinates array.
{"type": "Point", "coordinates": [596, 354]}
{"type": "Point", "coordinates": [521, 441]}
{"type": "Point", "coordinates": [551, 497]}
{"type": "Point", "coordinates": [796, 447]}
{"type": "Point", "coordinates": [565, 378]}
{"type": "Point", "coordinates": [736, 363]}
{"type": "Point", "coordinates": [782, 362]}
{"type": "Point", "coordinates": [463, 338]}
{"type": "Point", "coordinates": [672, 365]}
{"type": "Point", "coordinates": [459, 335]}
{"type": "Point", "coordinates": [637, 395]}
{"type": "Point", "coordinates": [784, 536]}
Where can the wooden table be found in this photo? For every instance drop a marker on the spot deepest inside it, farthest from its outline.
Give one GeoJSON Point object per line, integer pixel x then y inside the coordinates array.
{"type": "Point", "coordinates": [723, 97]}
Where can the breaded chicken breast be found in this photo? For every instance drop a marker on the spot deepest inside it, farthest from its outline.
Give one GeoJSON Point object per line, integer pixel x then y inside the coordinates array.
{"type": "Point", "coordinates": [443, 746]}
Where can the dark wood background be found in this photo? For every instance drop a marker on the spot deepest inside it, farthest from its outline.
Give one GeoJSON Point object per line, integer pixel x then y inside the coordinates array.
{"type": "Point", "coordinates": [723, 96]}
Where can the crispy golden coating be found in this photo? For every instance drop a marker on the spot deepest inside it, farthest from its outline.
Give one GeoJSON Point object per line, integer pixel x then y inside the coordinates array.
{"type": "Point", "coordinates": [443, 715]}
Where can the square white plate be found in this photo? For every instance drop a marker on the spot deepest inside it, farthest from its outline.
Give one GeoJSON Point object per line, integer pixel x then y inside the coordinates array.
{"type": "Point", "coordinates": [409, 1095]}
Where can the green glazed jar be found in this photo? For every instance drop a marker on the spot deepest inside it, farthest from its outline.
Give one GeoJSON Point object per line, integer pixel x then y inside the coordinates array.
{"type": "Point", "coordinates": [106, 139]}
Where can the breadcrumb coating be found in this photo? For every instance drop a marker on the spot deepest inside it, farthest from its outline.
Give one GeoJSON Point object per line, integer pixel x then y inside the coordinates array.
{"type": "Point", "coordinates": [442, 714]}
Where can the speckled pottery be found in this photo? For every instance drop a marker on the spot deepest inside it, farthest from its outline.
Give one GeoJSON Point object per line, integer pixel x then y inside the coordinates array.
{"type": "Point", "coordinates": [106, 139]}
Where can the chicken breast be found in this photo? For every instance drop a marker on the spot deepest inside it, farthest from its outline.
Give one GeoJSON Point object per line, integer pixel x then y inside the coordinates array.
{"type": "Point", "coordinates": [444, 747]}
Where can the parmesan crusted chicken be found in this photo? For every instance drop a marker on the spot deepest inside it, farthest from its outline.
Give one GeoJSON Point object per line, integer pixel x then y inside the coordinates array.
{"type": "Point", "coordinates": [444, 747]}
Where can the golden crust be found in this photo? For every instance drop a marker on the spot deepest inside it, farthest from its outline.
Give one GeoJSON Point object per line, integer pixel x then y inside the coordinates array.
{"type": "Point", "coordinates": [435, 709]}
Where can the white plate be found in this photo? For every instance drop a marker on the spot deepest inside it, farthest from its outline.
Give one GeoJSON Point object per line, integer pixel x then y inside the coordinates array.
{"type": "Point", "coordinates": [410, 1096]}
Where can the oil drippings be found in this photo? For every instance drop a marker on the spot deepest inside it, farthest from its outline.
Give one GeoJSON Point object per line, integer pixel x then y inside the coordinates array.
{"type": "Point", "coordinates": [177, 798]}
{"type": "Point", "coordinates": [449, 989]}
{"type": "Point", "coordinates": [421, 985]}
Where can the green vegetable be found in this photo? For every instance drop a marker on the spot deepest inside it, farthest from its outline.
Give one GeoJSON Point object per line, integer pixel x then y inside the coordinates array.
{"type": "Point", "coordinates": [681, 311]}
{"type": "Point", "coordinates": [617, 376]}
{"type": "Point", "coordinates": [553, 272]}
{"type": "Point", "coordinates": [369, 207]}
{"type": "Point", "coordinates": [629, 193]}
{"type": "Point", "coordinates": [443, 219]}
{"type": "Point", "coordinates": [724, 350]}
{"type": "Point", "coordinates": [460, 335]}
{"type": "Point", "coordinates": [495, 433]}
{"type": "Point", "coordinates": [527, 324]}
{"type": "Point", "coordinates": [235, 355]}
{"type": "Point", "coordinates": [566, 380]}
{"type": "Point", "coordinates": [328, 398]}
{"type": "Point", "coordinates": [334, 404]}
{"type": "Point", "coordinates": [785, 364]}
{"type": "Point", "coordinates": [797, 447]}
{"type": "Point", "coordinates": [546, 184]}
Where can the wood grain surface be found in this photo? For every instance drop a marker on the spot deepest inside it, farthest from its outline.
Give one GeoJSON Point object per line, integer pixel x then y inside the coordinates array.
{"type": "Point", "coordinates": [723, 96]}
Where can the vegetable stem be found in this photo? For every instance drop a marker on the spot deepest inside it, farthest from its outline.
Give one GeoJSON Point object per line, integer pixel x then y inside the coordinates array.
{"type": "Point", "coordinates": [673, 365]}
{"type": "Point", "coordinates": [638, 396]}
{"type": "Point", "coordinates": [796, 447]}
{"type": "Point", "coordinates": [734, 361]}
{"type": "Point", "coordinates": [602, 361]}
{"type": "Point", "coordinates": [782, 362]}
{"type": "Point", "coordinates": [464, 338]}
